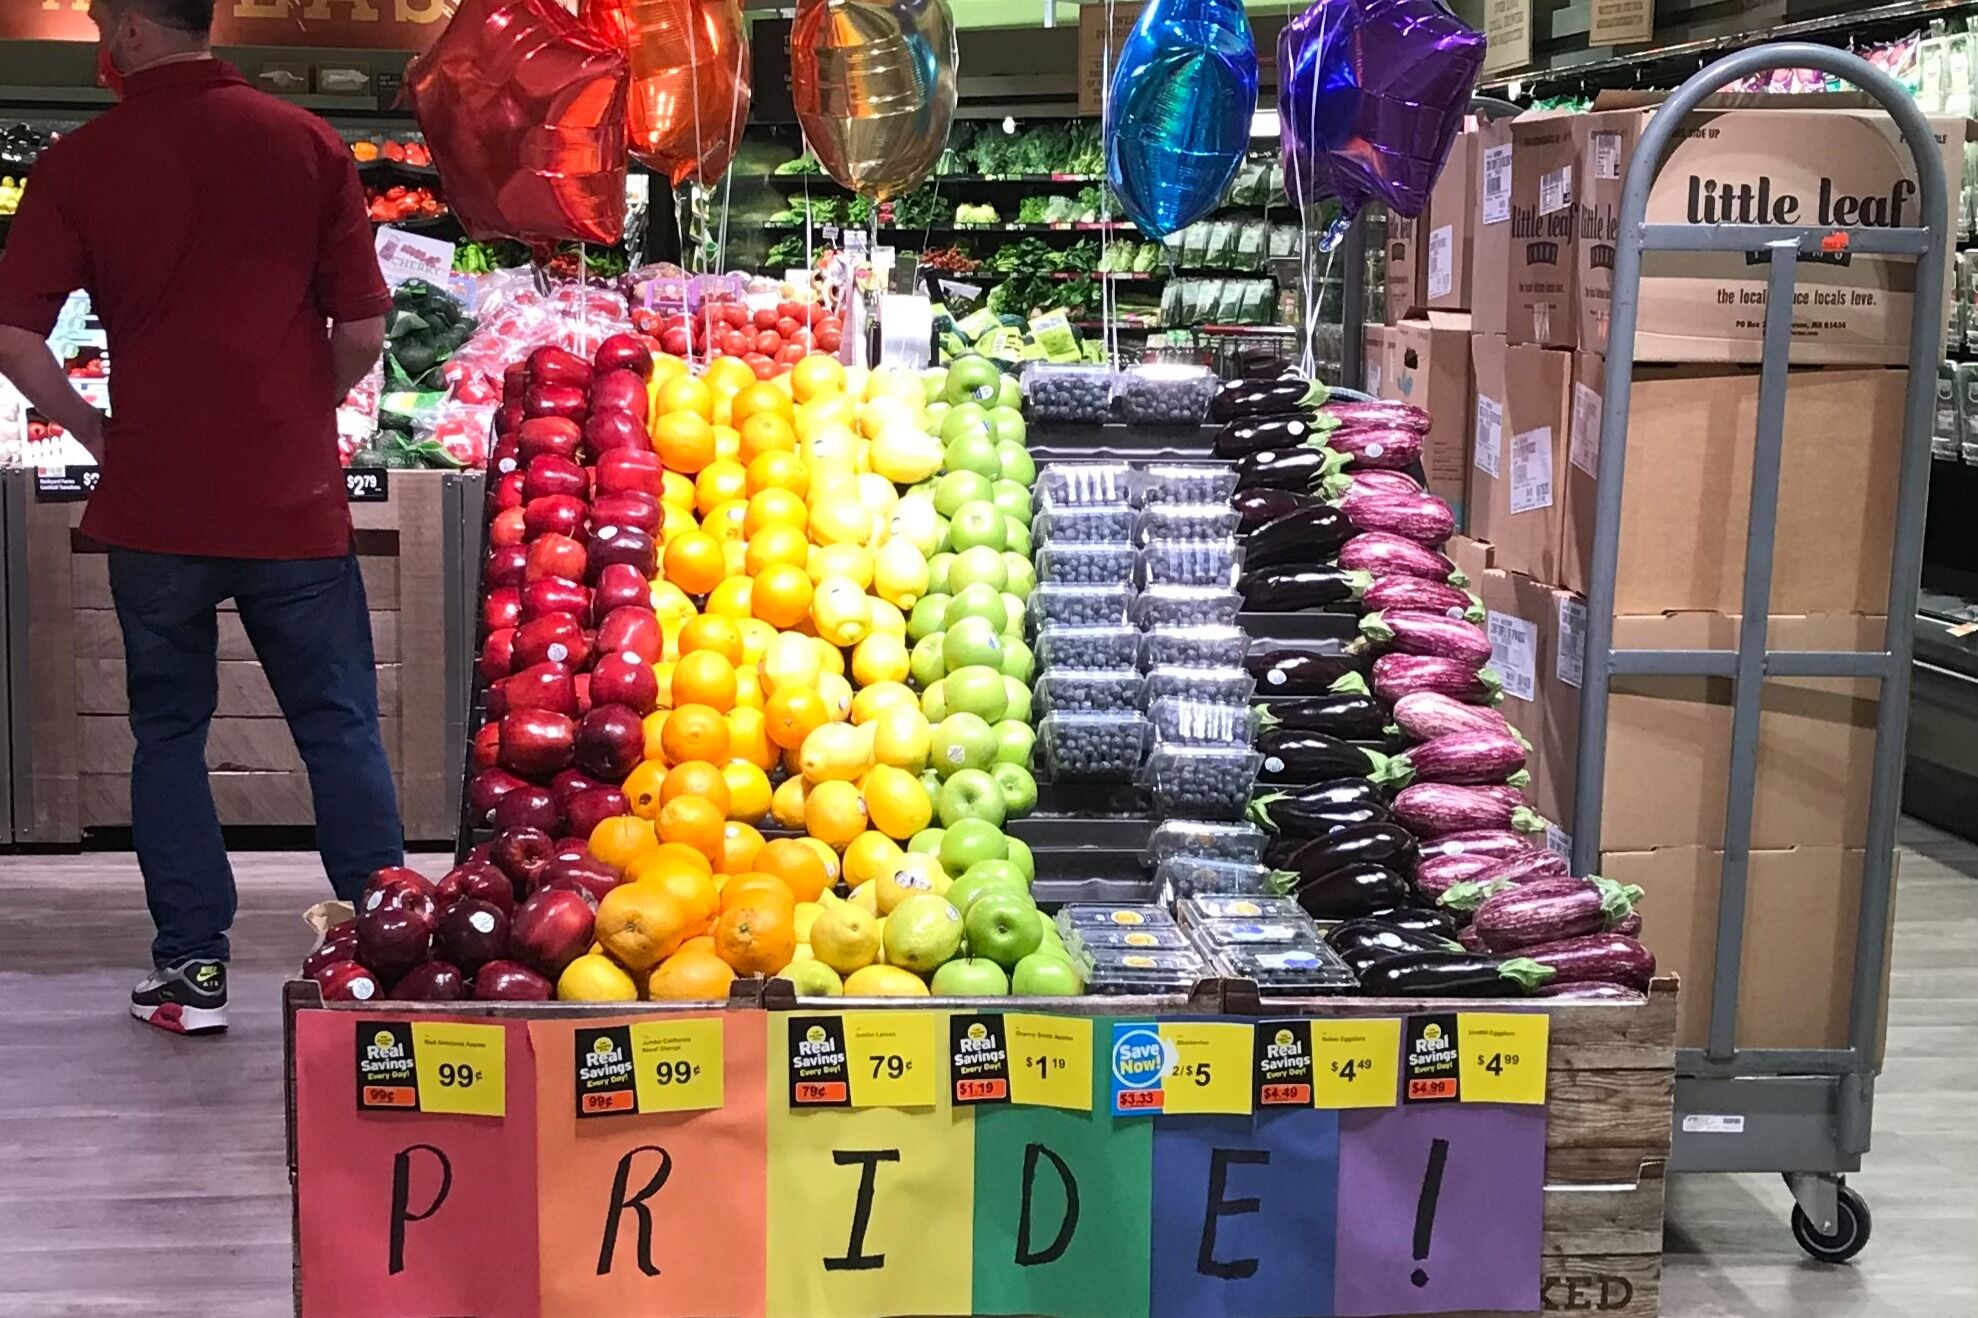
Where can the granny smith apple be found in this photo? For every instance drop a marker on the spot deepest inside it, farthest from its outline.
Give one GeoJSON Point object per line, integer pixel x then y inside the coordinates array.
{"type": "Point", "coordinates": [937, 572]}
{"type": "Point", "coordinates": [925, 664]}
{"type": "Point", "coordinates": [970, 977]}
{"type": "Point", "coordinates": [934, 702]}
{"type": "Point", "coordinates": [958, 487]}
{"type": "Point", "coordinates": [1008, 393]}
{"type": "Point", "coordinates": [813, 979]}
{"type": "Point", "coordinates": [1015, 741]}
{"type": "Point", "coordinates": [1000, 871]}
{"type": "Point", "coordinates": [961, 741]}
{"type": "Point", "coordinates": [965, 418]}
{"type": "Point", "coordinates": [936, 412]}
{"type": "Point", "coordinates": [972, 641]}
{"type": "Point", "coordinates": [928, 840]}
{"type": "Point", "coordinates": [1018, 661]}
{"type": "Point", "coordinates": [1016, 700]}
{"type": "Point", "coordinates": [1017, 464]}
{"type": "Point", "coordinates": [1019, 789]}
{"type": "Point", "coordinates": [1040, 975]}
{"type": "Point", "coordinates": [1016, 539]}
{"type": "Point", "coordinates": [925, 619]}
{"type": "Point", "coordinates": [977, 525]}
{"type": "Point", "coordinates": [971, 794]}
{"type": "Point", "coordinates": [946, 540]}
{"type": "Point", "coordinates": [1020, 856]}
{"type": "Point", "coordinates": [930, 782]}
{"type": "Point", "coordinates": [973, 450]}
{"type": "Point", "coordinates": [980, 690]}
{"type": "Point", "coordinates": [978, 883]}
{"type": "Point", "coordinates": [1003, 927]}
{"type": "Point", "coordinates": [1019, 577]}
{"type": "Point", "coordinates": [933, 381]}
{"type": "Point", "coordinates": [1014, 614]}
{"type": "Point", "coordinates": [1006, 424]}
{"type": "Point", "coordinates": [974, 378]}
{"type": "Point", "coordinates": [923, 933]}
{"type": "Point", "coordinates": [1012, 500]}
{"type": "Point", "coordinates": [980, 600]}
{"type": "Point", "coordinates": [967, 842]}
{"type": "Point", "coordinates": [915, 521]}
{"type": "Point", "coordinates": [982, 563]}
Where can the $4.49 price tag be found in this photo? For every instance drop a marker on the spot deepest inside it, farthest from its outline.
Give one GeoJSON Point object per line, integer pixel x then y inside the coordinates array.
{"type": "Point", "coordinates": [462, 1069]}
{"type": "Point", "coordinates": [1354, 1063]}
{"type": "Point", "coordinates": [891, 1058]}
{"type": "Point", "coordinates": [1211, 1068]}
{"type": "Point", "coordinates": [678, 1064]}
{"type": "Point", "coordinates": [1050, 1060]}
{"type": "Point", "coordinates": [1504, 1056]}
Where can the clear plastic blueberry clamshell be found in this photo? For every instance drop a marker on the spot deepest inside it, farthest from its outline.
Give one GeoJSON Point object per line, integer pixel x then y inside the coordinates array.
{"type": "Point", "coordinates": [1054, 603]}
{"type": "Point", "coordinates": [1087, 647]}
{"type": "Point", "coordinates": [1204, 907]}
{"type": "Point", "coordinates": [1079, 484]}
{"type": "Point", "coordinates": [1228, 686]}
{"type": "Point", "coordinates": [1186, 482]}
{"type": "Point", "coordinates": [1122, 971]}
{"type": "Point", "coordinates": [1166, 393]}
{"type": "Point", "coordinates": [1193, 522]}
{"type": "Point", "coordinates": [1187, 876]}
{"type": "Point", "coordinates": [1067, 391]}
{"type": "Point", "coordinates": [1185, 606]}
{"type": "Point", "coordinates": [1086, 563]}
{"type": "Point", "coordinates": [1299, 971]}
{"type": "Point", "coordinates": [1089, 690]}
{"type": "Point", "coordinates": [1213, 646]}
{"type": "Point", "coordinates": [1214, 782]}
{"type": "Point", "coordinates": [1082, 747]}
{"type": "Point", "coordinates": [1206, 839]}
{"type": "Point", "coordinates": [1083, 524]}
{"type": "Point", "coordinates": [1116, 915]}
{"type": "Point", "coordinates": [1186, 721]}
{"type": "Point", "coordinates": [1189, 563]}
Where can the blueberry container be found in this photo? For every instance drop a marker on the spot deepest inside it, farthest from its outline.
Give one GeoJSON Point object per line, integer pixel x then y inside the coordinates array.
{"type": "Point", "coordinates": [1186, 482]}
{"type": "Point", "coordinates": [1119, 971]}
{"type": "Point", "coordinates": [1084, 747]}
{"type": "Point", "coordinates": [1056, 603]}
{"type": "Point", "coordinates": [1188, 876]}
{"type": "Point", "coordinates": [1299, 971]}
{"type": "Point", "coordinates": [1185, 721]}
{"type": "Point", "coordinates": [1205, 839]}
{"type": "Point", "coordinates": [1186, 606]}
{"type": "Point", "coordinates": [1086, 564]}
{"type": "Point", "coordinates": [1202, 908]}
{"type": "Point", "coordinates": [1213, 782]}
{"type": "Point", "coordinates": [1214, 646]}
{"type": "Point", "coordinates": [1189, 563]}
{"type": "Point", "coordinates": [1166, 393]}
{"type": "Point", "coordinates": [1254, 933]}
{"type": "Point", "coordinates": [1226, 686]}
{"type": "Point", "coordinates": [1114, 915]}
{"type": "Point", "coordinates": [1084, 524]}
{"type": "Point", "coordinates": [1146, 937]}
{"type": "Point", "coordinates": [1073, 391]}
{"type": "Point", "coordinates": [1087, 647]}
{"type": "Point", "coordinates": [1079, 484]}
{"type": "Point", "coordinates": [1193, 522]}
{"type": "Point", "coordinates": [1089, 690]}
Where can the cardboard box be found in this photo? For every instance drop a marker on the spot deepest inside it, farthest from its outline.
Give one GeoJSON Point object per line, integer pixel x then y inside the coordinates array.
{"type": "Point", "coordinates": [1518, 453]}
{"type": "Point", "coordinates": [1556, 739]}
{"type": "Point", "coordinates": [1449, 246]}
{"type": "Point", "coordinates": [1686, 497]}
{"type": "Point", "coordinates": [1429, 363]}
{"type": "Point", "coordinates": [1796, 976]}
{"type": "Point", "coordinates": [1567, 171]}
{"type": "Point", "coordinates": [1471, 556]}
{"type": "Point", "coordinates": [1490, 248]}
{"type": "Point", "coordinates": [1514, 608]}
{"type": "Point", "coordinates": [1405, 289]}
{"type": "Point", "coordinates": [1377, 377]}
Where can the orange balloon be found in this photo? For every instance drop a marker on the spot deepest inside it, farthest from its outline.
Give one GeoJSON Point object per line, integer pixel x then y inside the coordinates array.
{"type": "Point", "coordinates": [690, 80]}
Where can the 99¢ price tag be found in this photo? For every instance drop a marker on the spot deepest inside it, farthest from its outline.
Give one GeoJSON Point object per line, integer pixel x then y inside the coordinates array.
{"type": "Point", "coordinates": [1504, 1056]}
{"type": "Point", "coordinates": [891, 1058]}
{"type": "Point", "coordinates": [678, 1065]}
{"type": "Point", "coordinates": [1210, 1072]}
{"type": "Point", "coordinates": [1050, 1060]}
{"type": "Point", "coordinates": [461, 1069]}
{"type": "Point", "coordinates": [1354, 1063]}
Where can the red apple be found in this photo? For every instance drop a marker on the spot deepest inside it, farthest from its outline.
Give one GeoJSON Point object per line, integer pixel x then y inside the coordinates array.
{"type": "Point", "coordinates": [555, 400]}
{"type": "Point", "coordinates": [506, 491]}
{"type": "Point", "coordinates": [474, 932]}
{"type": "Point", "coordinates": [514, 380]}
{"type": "Point", "coordinates": [521, 853]}
{"type": "Point", "coordinates": [543, 596]}
{"type": "Point", "coordinates": [481, 851]}
{"type": "Point", "coordinates": [610, 741]}
{"type": "Point", "coordinates": [542, 686]}
{"type": "Point", "coordinates": [626, 352]}
{"type": "Point", "coordinates": [677, 341]}
{"type": "Point", "coordinates": [504, 565]}
{"type": "Point", "coordinates": [628, 508]}
{"type": "Point", "coordinates": [473, 880]}
{"type": "Point", "coordinates": [583, 681]}
{"type": "Point", "coordinates": [431, 981]}
{"type": "Point", "coordinates": [556, 555]}
{"type": "Point", "coordinates": [502, 607]}
{"type": "Point", "coordinates": [619, 391]}
{"type": "Point", "coordinates": [507, 527]}
{"type": "Point", "coordinates": [551, 929]}
{"type": "Point", "coordinates": [391, 942]}
{"type": "Point", "coordinates": [537, 742]}
{"type": "Point", "coordinates": [339, 944]}
{"type": "Point", "coordinates": [487, 743]}
{"type": "Point", "coordinates": [633, 629]}
{"type": "Point", "coordinates": [486, 789]}
{"type": "Point", "coordinates": [506, 981]}
{"type": "Point", "coordinates": [563, 514]}
{"type": "Point", "coordinates": [528, 807]}
{"type": "Point", "coordinates": [396, 888]}
{"type": "Point", "coordinates": [583, 812]}
{"type": "Point", "coordinates": [498, 652]}
{"type": "Point", "coordinates": [588, 877]}
{"type": "Point", "coordinates": [555, 637]}
{"type": "Point", "coordinates": [505, 455]}
{"type": "Point", "coordinates": [548, 434]}
{"type": "Point", "coordinates": [572, 781]}
{"type": "Point", "coordinates": [620, 585]}
{"type": "Point", "coordinates": [552, 473]}
{"type": "Point", "coordinates": [508, 418]}
{"type": "Point", "coordinates": [628, 469]}
{"type": "Point", "coordinates": [622, 677]}
{"type": "Point", "coordinates": [553, 365]}
{"type": "Point", "coordinates": [569, 848]}
{"type": "Point", "coordinates": [623, 544]}
{"type": "Point", "coordinates": [614, 429]}
{"type": "Point", "coordinates": [347, 981]}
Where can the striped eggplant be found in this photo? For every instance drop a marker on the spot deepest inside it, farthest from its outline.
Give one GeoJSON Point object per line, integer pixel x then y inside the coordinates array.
{"type": "Point", "coordinates": [1420, 595]}
{"type": "Point", "coordinates": [1593, 993]}
{"type": "Point", "coordinates": [1370, 480]}
{"type": "Point", "coordinates": [1630, 926]}
{"type": "Point", "coordinates": [1434, 809]}
{"type": "Point", "coordinates": [1253, 434]}
{"type": "Point", "coordinates": [1385, 555]}
{"type": "Point", "coordinates": [1414, 631]}
{"type": "Point", "coordinates": [1364, 446]}
{"type": "Point", "coordinates": [1301, 469]}
{"type": "Point", "coordinates": [1351, 716]}
{"type": "Point", "coordinates": [1454, 975]}
{"type": "Point", "coordinates": [1427, 714]}
{"type": "Point", "coordinates": [1296, 756]}
{"type": "Point", "coordinates": [1528, 868]}
{"type": "Point", "coordinates": [1307, 810]}
{"type": "Point", "coordinates": [1471, 939]}
{"type": "Point", "coordinates": [1436, 875]}
{"type": "Point", "coordinates": [1551, 910]}
{"type": "Point", "coordinates": [1278, 397]}
{"type": "Point", "coordinates": [1294, 587]}
{"type": "Point", "coordinates": [1497, 843]}
{"type": "Point", "coordinates": [1474, 759]}
{"type": "Point", "coordinates": [1254, 507]}
{"type": "Point", "coordinates": [1422, 518]}
{"type": "Point", "coordinates": [1398, 675]}
{"type": "Point", "coordinates": [1304, 536]}
{"type": "Point", "coordinates": [1295, 672]}
{"type": "Point", "coordinates": [1607, 958]}
{"type": "Point", "coordinates": [1377, 412]}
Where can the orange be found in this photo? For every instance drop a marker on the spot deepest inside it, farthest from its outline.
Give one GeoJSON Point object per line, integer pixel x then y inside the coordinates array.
{"type": "Point", "coordinates": [685, 441]}
{"type": "Point", "coordinates": [735, 557]}
{"type": "Point", "coordinates": [793, 713]}
{"type": "Point", "coordinates": [748, 739]}
{"type": "Point", "coordinates": [782, 594]}
{"type": "Point", "coordinates": [748, 790]}
{"type": "Point", "coordinates": [679, 853]}
{"type": "Point", "coordinates": [756, 636]}
{"type": "Point", "coordinates": [760, 397]}
{"type": "Point", "coordinates": [728, 376]}
{"type": "Point", "coordinates": [704, 678]}
{"type": "Point", "coordinates": [676, 490]}
{"type": "Point", "coordinates": [727, 441]}
{"type": "Point", "coordinates": [644, 789]}
{"type": "Point", "coordinates": [718, 483]}
{"type": "Point", "coordinates": [834, 813]}
{"type": "Point", "coordinates": [640, 924]}
{"type": "Point", "coordinates": [797, 866]}
{"type": "Point", "coordinates": [695, 778]}
{"type": "Point", "coordinates": [691, 977]}
{"type": "Point", "coordinates": [816, 374]}
{"type": "Point", "coordinates": [703, 943]}
{"type": "Point", "coordinates": [711, 631]}
{"type": "Point", "coordinates": [622, 839]}
{"type": "Point", "coordinates": [675, 519]}
{"type": "Point", "coordinates": [694, 891]}
{"type": "Point", "coordinates": [730, 600]}
{"type": "Point", "coordinates": [769, 508]}
{"type": "Point", "coordinates": [686, 393]}
{"type": "Point", "coordinates": [725, 520]}
{"type": "Point", "coordinates": [772, 545]}
{"type": "Point", "coordinates": [695, 822]}
{"type": "Point", "coordinates": [740, 844]}
{"type": "Point", "coordinates": [748, 687]}
{"type": "Point", "coordinates": [696, 732]}
{"type": "Point", "coordinates": [757, 887]}
{"type": "Point", "coordinates": [778, 471]}
{"type": "Point", "coordinates": [694, 562]}
{"type": "Point", "coordinates": [655, 725]}
{"type": "Point", "coordinates": [766, 432]}
{"type": "Point", "coordinates": [756, 939]}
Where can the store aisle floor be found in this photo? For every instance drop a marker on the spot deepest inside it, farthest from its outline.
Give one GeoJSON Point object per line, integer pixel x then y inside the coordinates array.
{"type": "Point", "coordinates": [143, 1175]}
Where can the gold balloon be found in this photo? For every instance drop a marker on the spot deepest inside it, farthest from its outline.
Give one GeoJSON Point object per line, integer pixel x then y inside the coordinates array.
{"type": "Point", "coordinates": [690, 80]}
{"type": "Point", "coordinates": [874, 86]}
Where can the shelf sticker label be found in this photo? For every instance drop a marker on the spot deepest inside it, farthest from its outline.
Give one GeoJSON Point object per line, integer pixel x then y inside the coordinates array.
{"type": "Point", "coordinates": [978, 1059]}
{"type": "Point", "coordinates": [1489, 445]}
{"type": "Point", "coordinates": [1050, 1060]}
{"type": "Point", "coordinates": [605, 1086]}
{"type": "Point", "coordinates": [1283, 1058]}
{"type": "Point", "coordinates": [438, 1067]}
{"type": "Point", "coordinates": [679, 1064]}
{"type": "Point", "coordinates": [1504, 1056]}
{"type": "Point", "coordinates": [1211, 1067]}
{"type": "Point", "coordinates": [890, 1055]}
{"type": "Point", "coordinates": [1354, 1063]}
{"type": "Point", "coordinates": [1514, 653]}
{"type": "Point", "coordinates": [1431, 1063]}
{"type": "Point", "coordinates": [1497, 184]}
{"type": "Point", "coordinates": [1140, 1061]}
{"type": "Point", "coordinates": [819, 1074]}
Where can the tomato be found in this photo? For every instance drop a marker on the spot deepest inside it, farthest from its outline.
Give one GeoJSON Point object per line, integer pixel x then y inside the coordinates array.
{"type": "Point", "coordinates": [786, 326]}
{"type": "Point", "coordinates": [768, 342]}
{"type": "Point", "coordinates": [676, 341]}
{"type": "Point", "coordinates": [801, 337]}
{"type": "Point", "coordinates": [765, 368]}
{"type": "Point", "coordinates": [737, 343]}
{"type": "Point", "coordinates": [790, 308]}
{"type": "Point", "coordinates": [813, 313]}
{"type": "Point", "coordinates": [829, 340]}
{"type": "Point", "coordinates": [765, 318]}
{"type": "Point", "coordinates": [736, 315]}
{"type": "Point", "coordinates": [832, 323]}
{"type": "Point", "coordinates": [791, 353]}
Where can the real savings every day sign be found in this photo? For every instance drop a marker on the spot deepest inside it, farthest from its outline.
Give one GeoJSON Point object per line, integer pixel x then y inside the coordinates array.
{"type": "Point", "coordinates": [802, 1165]}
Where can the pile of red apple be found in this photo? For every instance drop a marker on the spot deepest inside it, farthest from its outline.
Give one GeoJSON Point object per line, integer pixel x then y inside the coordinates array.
{"type": "Point", "coordinates": [569, 639]}
{"type": "Point", "coordinates": [769, 339]}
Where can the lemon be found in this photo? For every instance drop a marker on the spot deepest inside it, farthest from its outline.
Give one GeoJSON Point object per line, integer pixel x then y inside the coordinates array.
{"type": "Point", "coordinates": [805, 917]}
{"type": "Point", "coordinates": [905, 454]}
{"type": "Point", "coordinates": [885, 982]}
{"type": "Point", "coordinates": [855, 381]}
{"type": "Point", "coordinates": [870, 855]}
{"type": "Point", "coordinates": [731, 599]}
{"type": "Point", "coordinates": [877, 494]}
{"type": "Point", "coordinates": [837, 693]}
{"type": "Point", "coordinates": [895, 382]}
{"type": "Point", "coordinates": [916, 521]}
{"type": "Point", "coordinates": [756, 634]}
{"type": "Point", "coordinates": [669, 601]}
{"type": "Point", "coordinates": [912, 874]}
{"type": "Point", "coordinates": [834, 813]}
{"type": "Point", "coordinates": [880, 657]}
{"type": "Point", "coordinates": [845, 937]}
{"type": "Point", "coordinates": [786, 803]}
{"type": "Point", "coordinates": [866, 897]}
{"type": "Point", "coordinates": [902, 738]}
{"type": "Point", "coordinates": [594, 977]}
{"type": "Point", "coordinates": [886, 617]}
{"type": "Point", "coordinates": [789, 660]}
{"type": "Point", "coordinates": [836, 515]}
{"type": "Point", "coordinates": [876, 698]}
{"type": "Point", "coordinates": [896, 802]}
{"type": "Point", "coordinates": [823, 411]}
{"type": "Point", "coordinates": [899, 573]}
{"type": "Point", "coordinates": [826, 856]}
{"type": "Point", "coordinates": [835, 752]}
{"type": "Point", "coordinates": [889, 412]}
{"type": "Point", "coordinates": [852, 562]}
{"type": "Point", "coordinates": [839, 610]}
{"type": "Point", "coordinates": [831, 445]}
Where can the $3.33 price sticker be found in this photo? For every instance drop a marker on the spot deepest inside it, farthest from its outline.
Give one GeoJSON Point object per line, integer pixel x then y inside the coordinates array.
{"type": "Point", "coordinates": [1504, 1056]}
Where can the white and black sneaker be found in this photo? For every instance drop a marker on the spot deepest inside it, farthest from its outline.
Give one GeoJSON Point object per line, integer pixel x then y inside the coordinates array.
{"type": "Point", "coordinates": [186, 997]}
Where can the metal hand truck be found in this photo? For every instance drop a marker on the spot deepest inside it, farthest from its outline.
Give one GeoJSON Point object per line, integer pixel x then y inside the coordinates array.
{"type": "Point", "coordinates": [1805, 1113]}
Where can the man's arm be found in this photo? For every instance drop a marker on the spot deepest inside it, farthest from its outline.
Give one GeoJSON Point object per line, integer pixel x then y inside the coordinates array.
{"type": "Point", "coordinates": [26, 360]}
{"type": "Point", "coordinates": [355, 346]}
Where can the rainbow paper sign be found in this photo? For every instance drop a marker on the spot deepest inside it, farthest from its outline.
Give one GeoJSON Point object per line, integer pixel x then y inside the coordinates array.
{"type": "Point", "coordinates": [766, 1207]}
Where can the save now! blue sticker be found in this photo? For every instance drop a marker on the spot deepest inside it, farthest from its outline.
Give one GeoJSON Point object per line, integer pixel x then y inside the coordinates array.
{"type": "Point", "coordinates": [1141, 1059]}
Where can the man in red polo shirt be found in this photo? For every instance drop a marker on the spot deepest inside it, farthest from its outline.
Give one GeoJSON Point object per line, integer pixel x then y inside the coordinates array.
{"type": "Point", "coordinates": [222, 238]}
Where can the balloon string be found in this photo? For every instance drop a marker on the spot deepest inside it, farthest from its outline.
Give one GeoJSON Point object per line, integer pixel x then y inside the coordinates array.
{"type": "Point", "coordinates": [1108, 292]}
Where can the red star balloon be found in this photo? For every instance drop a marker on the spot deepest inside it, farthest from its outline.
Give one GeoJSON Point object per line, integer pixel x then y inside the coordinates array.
{"type": "Point", "coordinates": [690, 80]}
{"type": "Point", "coordinates": [525, 113]}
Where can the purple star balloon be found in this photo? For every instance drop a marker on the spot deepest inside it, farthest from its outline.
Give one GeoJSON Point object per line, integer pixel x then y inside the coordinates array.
{"type": "Point", "coordinates": [1370, 95]}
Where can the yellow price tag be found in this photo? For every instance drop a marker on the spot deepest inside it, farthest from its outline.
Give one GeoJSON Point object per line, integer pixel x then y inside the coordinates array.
{"type": "Point", "coordinates": [678, 1065]}
{"type": "Point", "coordinates": [1504, 1056]}
{"type": "Point", "coordinates": [1050, 1060]}
{"type": "Point", "coordinates": [1353, 1063]}
{"type": "Point", "coordinates": [462, 1068]}
{"type": "Point", "coordinates": [1211, 1069]}
{"type": "Point", "coordinates": [891, 1056]}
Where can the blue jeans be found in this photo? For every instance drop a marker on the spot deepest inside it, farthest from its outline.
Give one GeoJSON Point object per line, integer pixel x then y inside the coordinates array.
{"type": "Point", "coordinates": [311, 628]}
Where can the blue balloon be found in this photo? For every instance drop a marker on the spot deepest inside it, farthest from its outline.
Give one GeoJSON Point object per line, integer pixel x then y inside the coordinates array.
{"type": "Point", "coordinates": [1179, 120]}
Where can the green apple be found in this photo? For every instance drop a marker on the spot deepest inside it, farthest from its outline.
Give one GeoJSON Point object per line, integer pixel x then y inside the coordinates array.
{"type": "Point", "coordinates": [1018, 661]}
{"type": "Point", "coordinates": [1004, 927]}
{"type": "Point", "coordinates": [933, 381]}
{"type": "Point", "coordinates": [1012, 500]}
{"type": "Point", "coordinates": [1014, 740]}
{"type": "Point", "coordinates": [934, 702]}
{"type": "Point", "coordinates": [973, 450]}
{"type": "Point", "coordinates": [1039, 975]}
{"type": "Point", "coordinates": [980, 600]}
{"type": "Point", "coordinates": [965, 418]}
{"type": "Point", "coordinates": [927, 841]}
{"type": "Point", "coordinates": [962, 741]}
{"type": "Point", "coordinates": [1016, 538]}
{"type": "Point", "coordinates": [977, 525]}
{"type": "Point", "coordinates": [1016, 700]}
{"type": "Point", "coordinates": [1001, 871]}
{"type": "Point", "coordinates": [1019, 578]}
{"type": "Point", "coordinates": [937, 573]}
{"type": "Point", "coordinates": [979, 690]}
{"type": "Point", "coordinates": [971, 794]}
{"type": "Point", "coordinates": [916, 522]}
{"type": "Point", "coordinates": [1009, 393]}
{"type": "Point", "coordinates": [923, 933]}
{"type": "Point", "coordinates": [970, 977]}
{"type": "Point", "coordinates": [1014, 615]}
{"type": "Point", "coordinates": [935, 412]}
{"type": "Point", "coordinates": [813, 979]}
{"type": "Point", "coordinates": [981, 563]}
{"type": "Point", "coordinates": [930, 782]}
{"type": "Point", "coordinates": [1006, 423]}
{"type": "Point", "coordinates": [1019, 789]}
{"type": "Point", "coordinates": [925, 619]}
{"type": "Point", "coordinates": [974, 378]}
{"type": "Point", "coordinates": [1019, 853]}
{"type": "Point", "coordinates": [958, 487]}
{"type": "Point", "coordinates": [925, 664]}
{"type": "Point", "coordinates": [979, 882]}
{"type": "Point", "coordinates": [946, 541]}
{"type": "Point", "coordinates": [1017, 464]}
{"type": "Point", "coordinates": [967, 842]}
{"type": "Point", "coordinates": [972, 641]}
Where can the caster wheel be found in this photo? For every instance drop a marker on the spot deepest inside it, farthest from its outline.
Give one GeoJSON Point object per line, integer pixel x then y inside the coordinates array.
{"type": "Point", "coordinates": [1852, 1225]}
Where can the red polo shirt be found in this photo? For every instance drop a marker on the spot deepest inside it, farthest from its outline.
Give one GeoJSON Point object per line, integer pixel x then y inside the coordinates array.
{"type": "Point", "coordinates": [217, 231]}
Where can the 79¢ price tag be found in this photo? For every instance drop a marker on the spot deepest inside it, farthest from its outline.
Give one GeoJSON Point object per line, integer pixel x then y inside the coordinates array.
{"type": "Point", "coordinates": [461, 1069]}
{"type": "Point", "coordinates": [1504, 1056]}
{"type": "Point", "coordinates": [1353, 1063]}
{"type": "Point", "coordinates": [1050, 1060]}
{"type": "Point", "coordinates": [677, 1065]}
{"type": "Point", "coordinates": [891, 1058]}
{"type": "Point", "coordinates": [1211, 1070]}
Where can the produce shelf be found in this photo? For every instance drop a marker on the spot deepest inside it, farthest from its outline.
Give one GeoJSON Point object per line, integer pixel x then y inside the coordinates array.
{"type": "Point", "coordinates": [369, 168]}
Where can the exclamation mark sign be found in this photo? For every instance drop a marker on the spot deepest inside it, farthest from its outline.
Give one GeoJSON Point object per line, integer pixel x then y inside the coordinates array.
{"type": "Point", "coordinates": [1425, 1207]}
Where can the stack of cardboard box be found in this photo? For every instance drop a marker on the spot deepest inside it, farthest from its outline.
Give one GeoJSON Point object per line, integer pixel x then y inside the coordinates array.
{"type": "Point", "coordinates": [1535, 245]}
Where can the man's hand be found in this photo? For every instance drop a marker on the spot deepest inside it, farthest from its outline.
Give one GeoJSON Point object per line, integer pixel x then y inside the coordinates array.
{"type": "Point", "coordinates": [26, 360]}
{"type": "Point", "coordinates": [355, 347]}
{"type": "Point", "coordinates": [90, 434]}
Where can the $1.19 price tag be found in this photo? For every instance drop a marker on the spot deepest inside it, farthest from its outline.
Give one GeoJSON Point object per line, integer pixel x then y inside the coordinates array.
{"type": "Point", "coordinates": [1050, 1060]}
{"type": "Point", "coordinates": [891, 1057]}
{"type": "Point", "coordinates": [1504, 1056]}
{"type": "Point", "coordinates": [678, 1065]}
{"type": "Point", "coordinates": [462, 1069]}
{"type": "Point", "coordinates": [1353, 1063]}
{"type": "Point", "coordinates": [1211, 1067]}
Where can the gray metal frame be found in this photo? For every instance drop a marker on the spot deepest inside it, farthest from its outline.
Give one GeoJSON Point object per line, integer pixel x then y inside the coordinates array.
{"type": "Point", "coordinates": [1805, 1110]}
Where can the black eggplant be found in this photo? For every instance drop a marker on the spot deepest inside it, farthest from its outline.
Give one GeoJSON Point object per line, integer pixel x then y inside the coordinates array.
{"type": "Point", "coordinates": [1453, 975]}
{"type": "Point", "coordinates": [1285, 395]}
{"type": "Point", "coordinates": [1388, 845]}
{"type": "Point", "coordinates": [1348, 714]}
{"type": "Point", "coordinates": [1253, 434]}
{"type": "Point", "coordinates": [1301, 469]}
{"type": "Point", "coordinates": [1308, 811]}
{"type": "Point", "coordinates": [1254, 507]}
{"type": "Point", "coordinates": [1298, 823]}
{"type": "Point", "coordinates": [1291, 672]}
{"type": "Point", "coordinates": [1368, 931]}
{"type": "Point", "coordinates": [1305, 537]}
{"type": "Point", "coordinates": [1286, 588]}
{"type": "Point", "coordinates": [1418, 920]}
{"type": "Point", "coordinates": [1348, 892]}
{"type": "Point", "coordinates": [1292, 755]}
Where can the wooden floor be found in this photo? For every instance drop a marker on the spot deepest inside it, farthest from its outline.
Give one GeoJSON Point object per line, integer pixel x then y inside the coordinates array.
{"type": "Point", "coordinates": [143, 1175]}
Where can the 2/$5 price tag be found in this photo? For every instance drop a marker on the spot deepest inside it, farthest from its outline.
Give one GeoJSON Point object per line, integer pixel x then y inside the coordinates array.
{"type": "Point", "coordinates": [437, 1066]}
{"type": "Point", "coordinates": [1211, 1068]}
{"type": "Point", "coordinates": [1504, 1056]}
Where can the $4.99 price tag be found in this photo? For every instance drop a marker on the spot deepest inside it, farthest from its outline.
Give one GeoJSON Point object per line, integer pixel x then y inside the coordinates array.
{"type": "Point", "coordinates": [461, 1069]}
{"type": "Point", "coordinates": [1504, 1056]}
{"type": "Point", "coordinates": [891, 1057]}
{"type": "Point", "coordinates": [1211, 1070]}
{"type": "Point", "coordinates": [678, 1065]}
{"type": "Point", "coordinates": [1354, 1063]}
{"type": "Point", "coordinates": [1050, 1060]}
